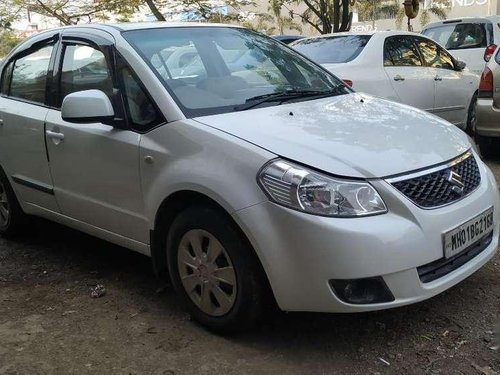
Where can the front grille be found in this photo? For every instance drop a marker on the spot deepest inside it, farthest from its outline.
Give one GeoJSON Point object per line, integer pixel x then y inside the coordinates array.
{"type": "Point", "coordinates": [434, 189]}
{"type": "Point", "coordinates": [441, 267]}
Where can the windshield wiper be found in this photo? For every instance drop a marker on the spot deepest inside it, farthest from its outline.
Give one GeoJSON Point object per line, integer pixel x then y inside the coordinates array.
{"type": "Point", "coordinates": [286, 95]}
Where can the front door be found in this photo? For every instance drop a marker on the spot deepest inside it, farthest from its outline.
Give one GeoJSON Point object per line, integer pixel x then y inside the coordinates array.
{"type": "Point", "coordinates": [95, 167]}
{"type": "Point", "coordinates": [453, 89]}
{"type": "Point", "coordinates": [22, 121]}
{"type": "Point", "coordinates": [412, 82]}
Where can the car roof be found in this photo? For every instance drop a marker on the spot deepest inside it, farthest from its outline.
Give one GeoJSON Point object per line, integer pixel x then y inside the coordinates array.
{"type": "Point", "coordinates": [137, 26]}
{"type": "Point", "coordinates": [492, 19]}
{"type": "Point", "coordinates": [159, 25]}
{"type": "Point", "coordinates": [365, 33]}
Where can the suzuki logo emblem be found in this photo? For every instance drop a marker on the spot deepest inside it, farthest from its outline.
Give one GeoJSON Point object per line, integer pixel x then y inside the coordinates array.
{"type": "Point", "coordinates": [456, 181]}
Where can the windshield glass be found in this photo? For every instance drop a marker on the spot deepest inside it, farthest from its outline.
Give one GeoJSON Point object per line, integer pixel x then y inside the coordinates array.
{"type": "Point", "coordinates": [332, 50]}
{"type": "Point", "coordinates": [210, 70]}
{"type": "Point", "coordinates": [459, 36]}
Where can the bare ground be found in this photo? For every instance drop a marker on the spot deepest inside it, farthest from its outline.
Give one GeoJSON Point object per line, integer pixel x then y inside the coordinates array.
{"type": "Point", "coordinates": [49, 324]}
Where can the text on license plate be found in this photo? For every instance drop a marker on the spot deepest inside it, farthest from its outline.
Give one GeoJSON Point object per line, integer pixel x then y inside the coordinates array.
{"type": "Point", "coordinates": [467, 233]}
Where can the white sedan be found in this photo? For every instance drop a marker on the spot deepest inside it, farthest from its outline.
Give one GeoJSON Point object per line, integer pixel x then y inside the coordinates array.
{"type": "Point", "coordinates": [405, 67]}
{"type": "Point", "coordinates": [289, 189]}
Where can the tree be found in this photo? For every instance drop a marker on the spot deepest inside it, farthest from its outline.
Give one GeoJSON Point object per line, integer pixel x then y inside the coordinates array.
{"type": "Point", "coordinates": [372, 10]}
{"type": "Point", "coordinates": [69, 12]}
{"type": "Point", "coordinates": [8, 40]}
{"type": "Point", "coordinates": [283, 22]}
{"type": "Point", "coordinates": [195, 9]}
{"type": "Point", "coordinates": [325, 16]}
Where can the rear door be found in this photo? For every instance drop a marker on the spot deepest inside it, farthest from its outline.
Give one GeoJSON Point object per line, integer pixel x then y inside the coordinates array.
{"type": "Point", "coordinates": [95, 166]}
{"type": "Point", "coordinates": [453, 89]}
{"type": "Point", "coordinates": [23, 108]}
{"type": "Point", "coordinates": [411, 80]}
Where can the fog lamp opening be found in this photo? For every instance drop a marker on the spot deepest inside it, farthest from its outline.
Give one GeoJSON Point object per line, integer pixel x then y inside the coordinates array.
{"type": "Point", "coordinates": [362, 291]}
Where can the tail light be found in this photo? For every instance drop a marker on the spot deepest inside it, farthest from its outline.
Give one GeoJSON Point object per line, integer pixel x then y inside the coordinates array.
{"type": "Point", "coordinates": [348, 82]}
{"type": "Point", "coordinates": [486, 84]}
{"type": "Point", "coordinates": [490, 50]}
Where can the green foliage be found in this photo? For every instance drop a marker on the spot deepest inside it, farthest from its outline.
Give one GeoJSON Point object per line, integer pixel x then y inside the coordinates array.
{"type": "Point", "coordinates": [371, 10]}
{"type": "Point", "coordinates": [325, 16]}
{"type": "Point", "coordinates": [439, 8]}
{"type": "Point", "coordinates": [8, 40]}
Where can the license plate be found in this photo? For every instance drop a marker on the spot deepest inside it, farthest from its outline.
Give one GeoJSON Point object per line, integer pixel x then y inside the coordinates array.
{"type": "Point", "coordinates": [467, 233]}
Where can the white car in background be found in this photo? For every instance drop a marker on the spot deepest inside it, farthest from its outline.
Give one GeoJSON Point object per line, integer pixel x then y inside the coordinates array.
{"type": "Point", "coordinates": [400, 66]}
{"type": "Point", "coordinates": [470, 39]}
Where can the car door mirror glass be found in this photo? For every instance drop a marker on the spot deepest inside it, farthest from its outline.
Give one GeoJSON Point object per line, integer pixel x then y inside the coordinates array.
{"type": "Point", "coordinates": [87, 106]}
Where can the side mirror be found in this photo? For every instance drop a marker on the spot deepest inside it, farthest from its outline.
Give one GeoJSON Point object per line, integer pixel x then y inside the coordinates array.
{"type": "Point", "coordinates": [460, 65]}
{"type": "Point", "coordinates": [87, 106]}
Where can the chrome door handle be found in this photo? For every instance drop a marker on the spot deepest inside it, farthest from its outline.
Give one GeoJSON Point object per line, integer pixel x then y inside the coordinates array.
{"type": "Point", "coordinates": [438, 78]}
{"type": "Point", "coordinates": [1, 122]}
{"type": "Point", "coordinates": [54, 135]}
{"type": "Point", "coordinates": [399, 78]}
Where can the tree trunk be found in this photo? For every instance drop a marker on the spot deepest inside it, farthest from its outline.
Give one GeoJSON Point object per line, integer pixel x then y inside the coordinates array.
{"type": "Point", "coordinates": [346, 16]}
{"type": "Point", "coordinates": [154, 9]}
{"type": "Point", "coordinates": [336, 16]}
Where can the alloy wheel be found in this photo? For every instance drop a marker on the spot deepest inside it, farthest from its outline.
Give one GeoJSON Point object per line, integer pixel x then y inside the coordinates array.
{"type": "Point", "coordinates": [206, 272]}
{"type": "Point", "coordinates": [4, 206]}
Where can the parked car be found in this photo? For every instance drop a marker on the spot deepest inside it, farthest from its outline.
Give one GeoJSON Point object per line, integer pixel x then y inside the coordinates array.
{"type": "Point", "coordinates": [470, 39]}
{"type": "Point", "coordinates": [291, 189]}
{"type": "Point", "coordinates": [400, 66]}
{"type": "Point", "coordinates": [287, 39]}
{"type": "Point", "coordinates": [487, 129]}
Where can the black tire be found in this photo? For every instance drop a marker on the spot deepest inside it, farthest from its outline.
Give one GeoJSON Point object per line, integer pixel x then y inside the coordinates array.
{"type": "Point", "coordinates": [471, 117]}
{"type": "Point", "coordinates": [489, 147]}
{"type": "Point", "coordinates": [16, 219]}
{"type": "Point", "coordinates": [251, 290]}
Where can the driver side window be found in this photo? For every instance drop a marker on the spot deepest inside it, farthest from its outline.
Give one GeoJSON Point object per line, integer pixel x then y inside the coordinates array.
{"type": "Point", "coordinates": [434, 56]}
{"type": "Point", "coordinates": [84, 68]}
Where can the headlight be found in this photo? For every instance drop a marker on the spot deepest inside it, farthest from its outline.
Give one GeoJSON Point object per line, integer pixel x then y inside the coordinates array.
{"type": "Point", "coordinates": [305, 190]}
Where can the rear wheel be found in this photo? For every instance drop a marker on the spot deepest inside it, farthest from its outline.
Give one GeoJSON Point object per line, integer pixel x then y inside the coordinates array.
{"type": "Point", "coordinates": [12, 217]}
{"type": "Point", "coordinates": [215, 271]}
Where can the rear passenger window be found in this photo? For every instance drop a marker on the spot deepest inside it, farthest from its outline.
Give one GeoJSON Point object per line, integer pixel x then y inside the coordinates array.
{"type": "Point", "coordinates": [84, 68]}
{"type": "Point", "coordinates": [459, 36]}
{"type": "Point", "coordinates": [400, 51]}
{"type": "Point", "coordinates": [29, 75]}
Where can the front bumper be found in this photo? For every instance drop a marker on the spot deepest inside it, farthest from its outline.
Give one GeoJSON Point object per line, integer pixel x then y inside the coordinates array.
{"type": "Point", "coordinates": [301, 253]}
{"type": "Point", "coordinates": [488, 118]}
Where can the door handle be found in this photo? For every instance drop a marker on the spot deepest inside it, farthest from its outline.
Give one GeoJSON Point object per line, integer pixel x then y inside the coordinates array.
{"type": "Point", "coordinates": [1, 122]}
{"type": "Point", "coordinates": [398, 78]}
{"type": "Point", "coordinates": [438, 78]}
{"type": "Point", "coordinates": [54, 135]}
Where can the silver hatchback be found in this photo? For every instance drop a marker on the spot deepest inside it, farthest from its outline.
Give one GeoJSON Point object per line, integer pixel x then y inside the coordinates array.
{"type": "Point", "coordinates": [488, 108]}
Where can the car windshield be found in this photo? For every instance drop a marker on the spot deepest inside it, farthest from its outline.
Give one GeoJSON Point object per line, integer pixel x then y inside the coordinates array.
{"type": "Point", "coordinates": [211, 70]}
{"type": "Point", "coordinates": [459, 36]}
{"type": "Point", "coordinates": [332, 50]}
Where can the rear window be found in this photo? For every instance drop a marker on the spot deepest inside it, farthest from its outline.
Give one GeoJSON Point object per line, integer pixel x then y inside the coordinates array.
{"type": "Point", "coordinates": [332, 50]}
{"type": "Point", "coordinates": [459, 35]}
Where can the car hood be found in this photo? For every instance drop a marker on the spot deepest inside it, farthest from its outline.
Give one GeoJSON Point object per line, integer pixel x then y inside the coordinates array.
{"type": "Point", "coordinates": [352, 135]}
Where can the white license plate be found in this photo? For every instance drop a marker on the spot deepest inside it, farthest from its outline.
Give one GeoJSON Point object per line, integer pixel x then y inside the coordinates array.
{"type": "Point", "coordinates": [467, 233]}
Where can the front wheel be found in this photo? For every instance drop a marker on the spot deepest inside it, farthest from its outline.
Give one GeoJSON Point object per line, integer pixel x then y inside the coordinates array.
{"type": "Point", "coordinates": [215, 271]}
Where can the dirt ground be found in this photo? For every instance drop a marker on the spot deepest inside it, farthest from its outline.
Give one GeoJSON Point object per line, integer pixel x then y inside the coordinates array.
{"type": "Point", "coordinates": [49, 324]}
